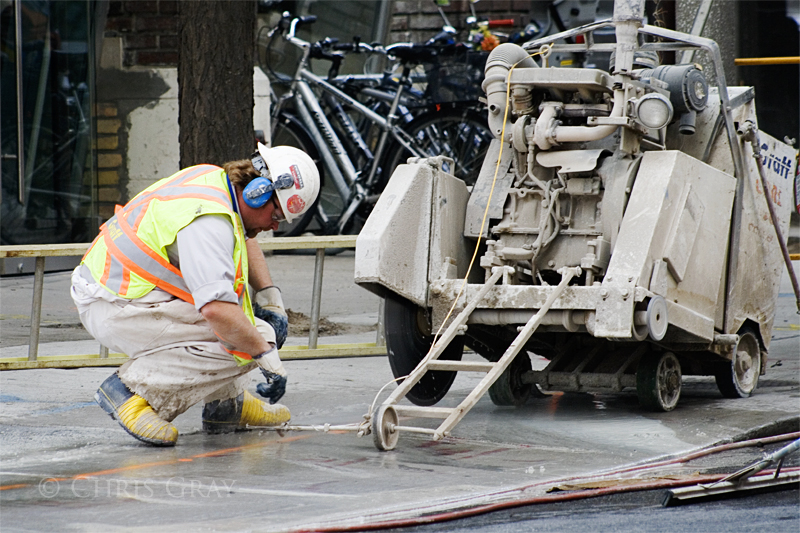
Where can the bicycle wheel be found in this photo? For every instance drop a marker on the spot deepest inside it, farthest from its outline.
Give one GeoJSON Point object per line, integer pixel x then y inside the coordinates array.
{"type": "Point", "coordinates": [461, 134]}
{"type": "Point", "coordinates": [287, 130]}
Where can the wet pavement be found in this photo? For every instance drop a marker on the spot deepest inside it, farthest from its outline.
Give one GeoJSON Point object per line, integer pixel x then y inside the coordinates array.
{"type": "Point", "coordinates": [65, 465]}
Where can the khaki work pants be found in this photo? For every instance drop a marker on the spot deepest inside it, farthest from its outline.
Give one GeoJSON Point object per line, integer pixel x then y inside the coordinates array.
{"type": "Point", "coordinates": [176, 359]}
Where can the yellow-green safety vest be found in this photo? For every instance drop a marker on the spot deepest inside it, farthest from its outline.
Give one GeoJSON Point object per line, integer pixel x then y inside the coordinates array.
{"type": "Point", "coordinates": [129, 256]}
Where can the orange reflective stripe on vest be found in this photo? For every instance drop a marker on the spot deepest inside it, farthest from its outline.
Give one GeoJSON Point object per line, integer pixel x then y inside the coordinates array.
{"type": "Point", "coordinates": [126, 249]}
{"type": "Point", "coordinates": [237, 353]}
{"type": "Point", "coordinates": [129, 256]}
{"type": "Point", "coordinates": [182, 177]}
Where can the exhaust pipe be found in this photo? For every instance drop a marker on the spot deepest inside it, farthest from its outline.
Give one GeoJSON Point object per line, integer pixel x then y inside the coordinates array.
{"type": "Point", "coordinates": [495, 84]}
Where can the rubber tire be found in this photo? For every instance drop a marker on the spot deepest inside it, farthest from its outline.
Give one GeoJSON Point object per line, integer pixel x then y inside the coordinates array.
{"type": "Point", "coordinates": [508, 389]}
{"type": "Point", "coordinates": [287, 130]}
{"type": "Point", "coordinates": [407, 345]}
{"type": "Point", "coordinates": [728, 381]}
{"type": "Point", "coordinates": [655, 381]}
{"type": "Point", "coordinates": [432, 130]}
{"type": "Point", "coordinates": [490, 344]}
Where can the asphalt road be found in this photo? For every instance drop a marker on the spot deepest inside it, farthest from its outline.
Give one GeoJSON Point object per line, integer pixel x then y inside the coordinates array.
{"type": "Point", "coordinates": [65, 466]}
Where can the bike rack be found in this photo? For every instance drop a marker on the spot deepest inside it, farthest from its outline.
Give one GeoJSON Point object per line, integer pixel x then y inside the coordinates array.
{"type": "Point", "coordinates": [312, 351]}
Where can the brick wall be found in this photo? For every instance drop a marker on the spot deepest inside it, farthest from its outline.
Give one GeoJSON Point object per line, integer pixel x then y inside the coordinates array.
{"type": "Point", "coordinates": [109, 158]}
{"type": "Point", "coordinates": [149, 31]}
{"type": "Point", "coordinates": [144, 33]}
{"type": "Point", "coordinates": [419, 20]}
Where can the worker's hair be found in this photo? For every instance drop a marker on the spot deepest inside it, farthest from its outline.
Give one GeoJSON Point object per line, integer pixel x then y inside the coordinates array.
{"type": "Point", "coordinates": [241, 172]}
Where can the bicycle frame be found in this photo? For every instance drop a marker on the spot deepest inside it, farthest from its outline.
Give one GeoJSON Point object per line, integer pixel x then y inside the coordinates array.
{"type": "Point", "coordinates": [336, 161]}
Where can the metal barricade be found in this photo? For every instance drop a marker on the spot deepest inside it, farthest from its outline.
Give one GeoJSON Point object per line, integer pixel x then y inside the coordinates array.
{"type": "Point", "coordinates": [312, 351]}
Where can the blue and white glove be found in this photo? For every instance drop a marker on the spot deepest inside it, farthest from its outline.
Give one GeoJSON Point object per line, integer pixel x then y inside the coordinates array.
{"type": "Point", "coordinates": [268, 306]}
{"type": "Point", "coordinates": [274, 388]}
{"type": "Point", "coordinates": [272, 368]}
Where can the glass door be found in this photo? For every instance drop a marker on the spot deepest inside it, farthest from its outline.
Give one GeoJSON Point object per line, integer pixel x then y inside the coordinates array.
{"type": "Point", "coordinates": [46, 84]}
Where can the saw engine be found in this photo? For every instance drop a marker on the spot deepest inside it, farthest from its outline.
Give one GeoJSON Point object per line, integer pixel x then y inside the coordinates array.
{"type": "Point", "coordinates": [573, 165]}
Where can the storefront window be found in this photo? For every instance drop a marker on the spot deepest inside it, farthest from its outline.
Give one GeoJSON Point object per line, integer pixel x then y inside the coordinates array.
{"type": "Point", "coordinates": [47, 182]}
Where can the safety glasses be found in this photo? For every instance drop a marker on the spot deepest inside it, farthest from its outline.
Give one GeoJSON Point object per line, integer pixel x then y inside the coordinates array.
{"type": "Point", "coordinates": [277, 212]}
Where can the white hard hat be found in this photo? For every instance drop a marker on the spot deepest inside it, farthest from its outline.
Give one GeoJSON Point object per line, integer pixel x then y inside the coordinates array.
{"type": "Point", "coordinates": [288, 160]}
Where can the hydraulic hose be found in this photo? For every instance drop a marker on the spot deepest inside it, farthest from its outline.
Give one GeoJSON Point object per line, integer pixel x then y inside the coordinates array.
{"type": "Point", "coordinates": [552, 498]}
{"type": "Point", "coordinates": [466, 512]}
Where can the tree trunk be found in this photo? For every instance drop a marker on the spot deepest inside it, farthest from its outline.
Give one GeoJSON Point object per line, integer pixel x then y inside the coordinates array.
{"type": "Point", "coordinates": [215, 80]}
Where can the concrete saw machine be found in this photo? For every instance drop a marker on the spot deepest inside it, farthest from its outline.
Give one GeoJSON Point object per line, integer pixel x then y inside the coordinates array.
{"type": "Point", "coordinates": [619, 229]}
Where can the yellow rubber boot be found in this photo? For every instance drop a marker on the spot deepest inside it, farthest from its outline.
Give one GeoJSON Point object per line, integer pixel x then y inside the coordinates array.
{"type": "Point", "coordinates": [258, 413]}
{"type": "Point", "coordinates": [134, 414]}
{"type": "Point", "coordinates": [139, 419]}
{"type": "Point", "coordinates": [233, 414]}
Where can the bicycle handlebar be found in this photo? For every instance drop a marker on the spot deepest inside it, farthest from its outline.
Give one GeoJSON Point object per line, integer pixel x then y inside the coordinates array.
{"type": "Point", "coordinates": [502, 23]}
{"type": "Point", "coordinates": [287, 22]}
{"type": "Point", "coordinates": [358, 47]}
{"type": "Point", "coordinates": [332, 43]}
{"type": "Point", "coordinates": [332, 50]}
{"type": "Point", "coordinates": [288, 25]}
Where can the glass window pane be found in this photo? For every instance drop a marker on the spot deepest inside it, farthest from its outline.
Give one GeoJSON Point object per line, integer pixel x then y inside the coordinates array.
{"type": "Point", "coordinates": [57, 129]}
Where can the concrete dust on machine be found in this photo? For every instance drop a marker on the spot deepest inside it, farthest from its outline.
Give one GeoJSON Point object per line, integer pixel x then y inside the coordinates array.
{"type": "Point", "coordinates": [619, 228]}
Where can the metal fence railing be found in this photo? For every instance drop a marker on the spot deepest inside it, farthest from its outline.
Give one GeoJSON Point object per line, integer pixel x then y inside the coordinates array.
{"type": "Point", "coordinates": [312, 351]}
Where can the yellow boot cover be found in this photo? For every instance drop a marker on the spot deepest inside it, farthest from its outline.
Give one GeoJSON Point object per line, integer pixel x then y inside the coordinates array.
{"type": "Point", "coordinates": [258, 413]}
{"type": "Point", "coordinates": [139, 419]}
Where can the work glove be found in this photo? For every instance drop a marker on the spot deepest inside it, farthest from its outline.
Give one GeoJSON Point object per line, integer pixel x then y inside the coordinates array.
{"type": "Point", "coordinates": [274, 388]}
{"type": "Point", "coordinates": [270, 362]}
{"type": "Point", "coordinates": [268, 306]}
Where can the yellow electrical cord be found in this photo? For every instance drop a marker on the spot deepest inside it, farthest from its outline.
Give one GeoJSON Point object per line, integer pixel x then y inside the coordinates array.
{"type": "Point", "coordinates": [545, 50]}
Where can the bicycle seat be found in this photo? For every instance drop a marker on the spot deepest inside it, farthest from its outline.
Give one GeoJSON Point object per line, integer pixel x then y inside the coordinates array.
{"type": "Point", "coordinates": [420, 53]}
{"type": "Point", "coordinates": [412, 53]}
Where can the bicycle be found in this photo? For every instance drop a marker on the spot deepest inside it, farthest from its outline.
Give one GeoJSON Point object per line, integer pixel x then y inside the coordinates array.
{"type": "Point", "coordinates": [353, 170]}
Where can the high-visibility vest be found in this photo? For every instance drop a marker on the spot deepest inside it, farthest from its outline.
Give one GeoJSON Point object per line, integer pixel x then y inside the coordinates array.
{"type": "Point", "coordinates": [129, 256]}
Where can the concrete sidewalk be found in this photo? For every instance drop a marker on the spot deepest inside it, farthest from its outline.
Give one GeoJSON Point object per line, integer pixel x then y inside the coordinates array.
{"type": "Point", "coordinates": [64, 465]}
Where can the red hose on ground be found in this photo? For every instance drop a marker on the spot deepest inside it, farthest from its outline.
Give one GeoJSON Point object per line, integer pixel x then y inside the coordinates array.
{"type": "Point", "coordinates": [715, 449]}
{"type": "Point", "coordinates": [577, 495]}
{"type": "Point", "coordinates": [555, 498]}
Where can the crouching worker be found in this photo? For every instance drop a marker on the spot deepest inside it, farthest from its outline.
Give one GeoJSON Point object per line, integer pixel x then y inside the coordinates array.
{"type": "Point", "coordinates": [166, 282]}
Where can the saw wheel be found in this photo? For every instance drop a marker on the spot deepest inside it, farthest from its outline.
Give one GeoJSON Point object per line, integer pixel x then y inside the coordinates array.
{"type": "Point", "coordinates": [408, 342]}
